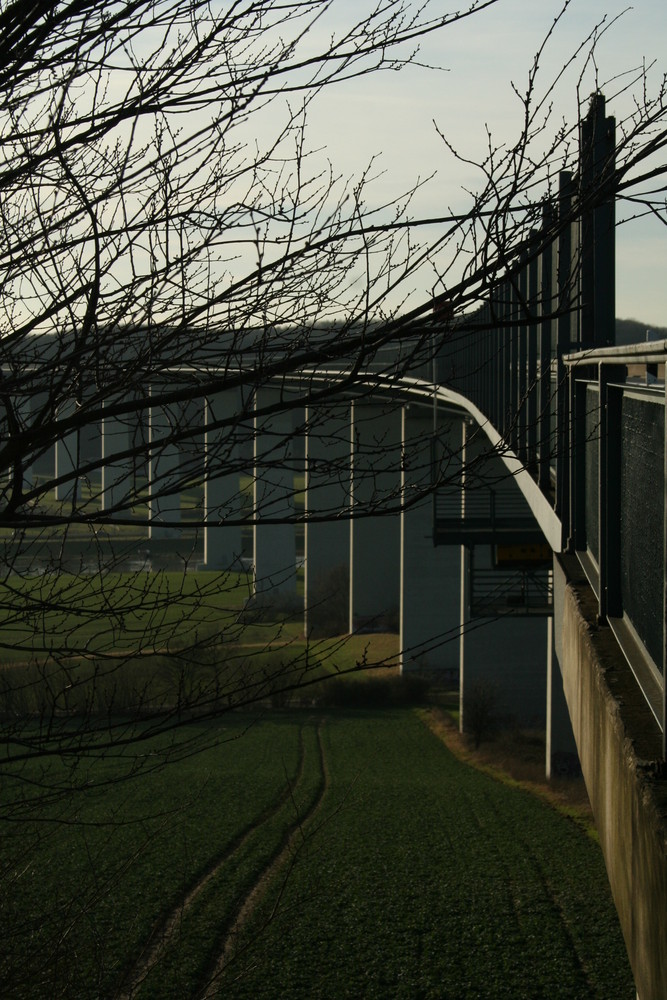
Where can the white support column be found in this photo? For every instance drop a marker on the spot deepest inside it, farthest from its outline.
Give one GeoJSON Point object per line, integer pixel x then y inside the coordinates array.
{"type": "Point", "coordinates": [375, 539]}
{"type": "Point", "coordinates": [430, 576]}
{"type": "Point", "coordinates": [223, 500]}
{"type": "Point", "coordinates": [464, 612]}
{"type": "Point", "coordinates": [327, 542]}
{"type": "Point", "coordinates": [273, 497]}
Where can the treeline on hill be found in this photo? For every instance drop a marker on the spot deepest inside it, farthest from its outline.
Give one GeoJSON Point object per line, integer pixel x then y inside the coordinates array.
{"type": "Point", "coordinates": [632, 331]}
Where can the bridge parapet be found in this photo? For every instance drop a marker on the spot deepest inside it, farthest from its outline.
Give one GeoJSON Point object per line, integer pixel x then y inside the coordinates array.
{"type": "Point", "coordinates": [615, 520]}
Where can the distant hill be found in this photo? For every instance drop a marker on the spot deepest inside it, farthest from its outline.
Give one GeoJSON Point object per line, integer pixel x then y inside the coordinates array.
{"type": "Point", "coordinates": [631, 331]}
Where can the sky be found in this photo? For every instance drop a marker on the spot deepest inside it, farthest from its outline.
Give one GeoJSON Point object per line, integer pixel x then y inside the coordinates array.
{"type": "Point", "coordinates": [392, 115]}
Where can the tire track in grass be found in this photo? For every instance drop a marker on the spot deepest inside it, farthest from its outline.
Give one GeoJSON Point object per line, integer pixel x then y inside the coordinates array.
{"type": "Point", "coordinates": [231, 948]}
{"type": "Point", "coordinates": [578, 958]}
{"type": "Point", "coordinates": [541, 876]}
{"type": "Point", "coordinates": [167, 927]}
{"type": "Point", "coordinates": [495, 819]}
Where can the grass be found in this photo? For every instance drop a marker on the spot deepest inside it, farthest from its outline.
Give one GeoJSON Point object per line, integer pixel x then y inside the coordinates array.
{"type": "Point", "coordinates": [115, 611]}
{"type": "Point", "coordinates": [123, 642]}
{"type": "Point", "coordinates": [429, 879]}
{"type": "Point", "coordinates": [408, 874]}
{"type": "Point", "coordinates": [104, 864]}
{"type": "Point", "coordinates": [150, 869]}
{"type": "Point", "coordinates": [516, 759]}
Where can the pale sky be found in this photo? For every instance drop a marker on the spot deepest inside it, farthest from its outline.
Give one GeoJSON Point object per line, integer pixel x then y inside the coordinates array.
{"type": "Point", "coordinates": [392, 114]}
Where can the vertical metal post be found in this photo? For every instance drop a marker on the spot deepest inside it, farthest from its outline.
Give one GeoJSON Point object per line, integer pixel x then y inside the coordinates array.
{"type": "Point", "coordinates": [597, 164]}
{"type": "Point", "coordinates": [533, 387]}
{"type": "Point", "coordinates": [577, 463]}
{"type": "Point", "coordinates": [506, 394]}
{"type": "Point", "coordinates": [609, 505]}
{"type": "Point", "coordinates": [664, 607]}
{"type": "Point", "coordinates": [488, 356]}
{"type": "Point", "coordinates": [565, 304]}
{"type": "Point", "coordinates": [544, 295]}
{"type": "Point", "coordinates": [522, 363]}
{"type": "Point", "coordinates": [513, 365]}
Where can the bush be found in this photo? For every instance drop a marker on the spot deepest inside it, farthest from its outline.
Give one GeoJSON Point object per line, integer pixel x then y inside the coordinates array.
{"type": "Point", "coordinates": [374, 692]}
{"type": "Point", "coordinates": [329, 603]}
{"type": "Point", "coordinates": [479, 712]}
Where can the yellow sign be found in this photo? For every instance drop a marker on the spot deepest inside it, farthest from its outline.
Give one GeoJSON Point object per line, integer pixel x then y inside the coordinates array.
{"type": "Point", "coordinates": [512, 555]}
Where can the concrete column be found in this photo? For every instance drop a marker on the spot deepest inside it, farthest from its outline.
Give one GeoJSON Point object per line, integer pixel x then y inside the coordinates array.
{"type": "Point", "coordinates": [44, 463]}
{"type": "Point", "coordinates": [66, 454]}
{"type": "Point", "coordinates": [273, 496]}
{"type": "Point", "coordinates": [375, 540]}
{"type": "Point", "coordinates": [562, 759]}
{"type": "Point", "coordinates": [164, 471]}
{"type": "Point", "coordinates": [430, 576]}
{"type": "Point", "coordinates": [503, 659]}
{"type": "Point", "coordinates": [23, 413]}
{"type": "Point", "coordinates": [327, 542]}
{"type": "Point", "coordinates": [118, 474]}
{"type": "Point", "coordinates": [223, 500]}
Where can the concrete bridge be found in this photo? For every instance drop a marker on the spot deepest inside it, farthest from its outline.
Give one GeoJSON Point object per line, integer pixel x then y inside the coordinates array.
{"type": "Point", "coordinates": [532, 569]}
{"type": "Point", "coordinates": [501, 504]}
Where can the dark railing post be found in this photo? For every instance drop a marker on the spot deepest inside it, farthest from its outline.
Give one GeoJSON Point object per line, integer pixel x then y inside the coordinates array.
{"type": "Point", "coordinates": [521, 335]}
{"type": "Point", "coordinates": [597, 163]}
{"type": "Point", "coordinates": [545, 398]}
{"type": "Point", "coordinates": [531, 374]}
{"type": "Point", "coordinates": [567, 317]}
{"type": "Point", "coordinates": [664, 603]}
{"type": "Point", "coordinates": [609, 495]}
{"type": "Point", "coordinates": [514, 364]}
{"type": "Point", "coordinates": [577, 450]}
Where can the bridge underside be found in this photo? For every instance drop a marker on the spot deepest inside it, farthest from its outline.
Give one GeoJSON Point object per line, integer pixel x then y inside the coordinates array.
{"type": "Point", "coordinates": [619, 744]}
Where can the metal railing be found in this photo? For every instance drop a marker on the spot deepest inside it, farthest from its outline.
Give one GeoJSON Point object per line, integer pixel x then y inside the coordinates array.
{"type": "Point", "coordinates": [616, 523]}
{"type": "Point", "coordinates": [479, 515]}
{"type": "Point", "coordinates": [501, 593]}
{"type": "Point", "coordinates": [584, 418]}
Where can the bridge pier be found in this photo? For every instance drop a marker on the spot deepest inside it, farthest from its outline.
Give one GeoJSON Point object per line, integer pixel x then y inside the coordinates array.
{"type": "Point", "coordinates": [327, 542]}
{"type": "Point", "coordinates": [222, 490]}
{"type": "Point", "coordinates": [164, 467]}
{"type": "Point", "coordinates": [375, 543]}
{"type": "Point", "coordinates": [503, 661]}
{"type": "Point", "coordinates": [274, 466]}
{"type": "Point", "coordinates": [118, 476]}
{"type": "Point", "coordinates": [503, 656]}
{"type": "Point", "coordinates": [562, 759]}
{"type": "Point", "coordinates": [430, 575]}
{"type": "Point", "coordinates": [66, 454]}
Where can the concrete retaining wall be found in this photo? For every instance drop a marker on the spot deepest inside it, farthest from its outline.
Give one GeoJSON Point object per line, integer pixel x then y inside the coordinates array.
{"type": "Point", "coordinates": [619, 746]}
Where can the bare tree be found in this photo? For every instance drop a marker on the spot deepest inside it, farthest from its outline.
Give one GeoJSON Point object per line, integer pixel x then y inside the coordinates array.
{"type": "Point", "coordinates": [166, 243]}
{"type": "Point", "coordinates": [171, 247]}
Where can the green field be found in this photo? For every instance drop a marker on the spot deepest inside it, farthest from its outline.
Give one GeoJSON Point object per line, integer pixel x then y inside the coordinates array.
{"type": "Point", "coordinates": [302, 855]}
{"type": "Point", "coordinates": [142, 643]}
